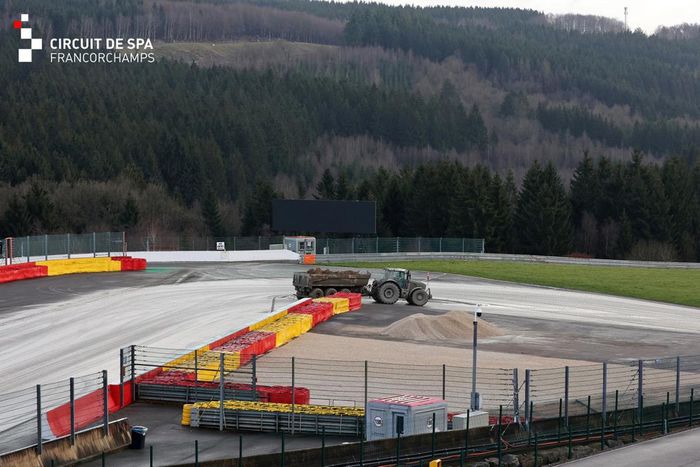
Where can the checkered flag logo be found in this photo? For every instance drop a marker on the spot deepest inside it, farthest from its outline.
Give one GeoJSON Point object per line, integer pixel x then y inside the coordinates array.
{"type": "Point", "coordinates": [25, 55]}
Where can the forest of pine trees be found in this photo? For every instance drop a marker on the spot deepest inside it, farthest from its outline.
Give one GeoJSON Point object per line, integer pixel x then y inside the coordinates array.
{"type": "Point", "coordinates": [466, 122]}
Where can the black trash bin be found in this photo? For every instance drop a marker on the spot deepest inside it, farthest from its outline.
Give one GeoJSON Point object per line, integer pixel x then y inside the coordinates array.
{"type": "Point", "coordinates": [138, 437]}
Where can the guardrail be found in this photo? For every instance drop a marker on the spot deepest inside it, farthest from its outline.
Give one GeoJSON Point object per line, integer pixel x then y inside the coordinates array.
{"type": "Point", "coordinates": [416, 256]}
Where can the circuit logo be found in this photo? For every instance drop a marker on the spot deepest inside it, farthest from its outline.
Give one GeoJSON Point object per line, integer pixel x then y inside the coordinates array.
{"type": "Point", "coordinates": [25, 55]}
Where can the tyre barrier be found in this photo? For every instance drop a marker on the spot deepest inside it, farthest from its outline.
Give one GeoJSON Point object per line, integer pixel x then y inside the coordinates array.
{"type": "Point", "coordinates": [58, 267]}
{"type": "Point", "coordinates": [187, 391]}
{"type": "Point", "coordinates": [340, 305]}
{"type": "Point", "coordinates": [319, 312]}
{"type": "Point", "coordinates": [354, 299]}
{"type": "Point", "coordinates": [186, 378]}
{"type": "Point", "coordinates": [248, 345]}
{"type": "Point", "coordinates": [275, 418]}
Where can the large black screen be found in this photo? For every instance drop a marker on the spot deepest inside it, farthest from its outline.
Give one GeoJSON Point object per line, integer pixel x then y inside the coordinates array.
{"type": "Point", "coordinates": [323, 216]}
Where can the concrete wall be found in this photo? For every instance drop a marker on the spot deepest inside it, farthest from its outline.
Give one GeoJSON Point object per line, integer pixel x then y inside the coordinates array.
{"type": "Point", "coordinates": [215, 256]}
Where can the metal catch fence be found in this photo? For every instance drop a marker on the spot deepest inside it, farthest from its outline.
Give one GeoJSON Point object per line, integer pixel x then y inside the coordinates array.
{"type": "Point", "coordinates": [44, 247]}
{"type": "Point", "coordinates": [330, 382]}
{"type": "Point", "coordinates": [31, 416]}
{"type": "Point", "coordinates": [332, 246]}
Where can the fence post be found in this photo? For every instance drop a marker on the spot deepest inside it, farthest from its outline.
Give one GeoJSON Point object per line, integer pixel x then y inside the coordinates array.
{"type": "Point", "coordinates": [440, 244]}
{"type": "Point", "coordinates": [94, 245]}
{"type": "Point", "coordinates": [196, 374]}
{"type": "Point", "coordinates": [366, 383]}
{"type": "Point", "coordinates": [498, 439]}
{"type": "Point", "coordinates": [282, 451]}
{"type": "Point", "coordinates": [323, 446]}
{"type": "Point", "coordinates": [105, 404]}
{"type": "Point", "coordinates": [72, 411]}
{"type": "Point", "coordinates": [566, 395]}
{"type": "Point", "coordinates": [221, 391]}
{"type": "Point", "coordinates": [432, 440]}
{"type": "Point", "coordinates": [527, 399]}
{"type": "Point", "coordinates": [444, 381]}
{"type": "Point", "coordinates": [28, 260]}
{"type": "Point", "coordinates": [516, 397]}
{"type": "Point", "coordinates": [254, 378]}
{"type": "Point", "coordinates": [68, 243]}
{"type": "Point", "coordinates": [121, 378]}
{"type": "Point", "coordinates": [604, 403]}
{"type": "Point", "coordinates": [690, 414]}
{"type": "Point", "coordinates": [617, 394]}
{"type": "Point", "coordinates": [38, 419]}
{"type": "Point", "coordinates": [293, 394]}
{"type": "Point", "coordinates": [259, 243]}
{"type": "Point", "coordinates": [133, 374]}
{"type": "Point", "coordinates": [46, 247]}
{"type": "Point", "coordinates": [109, 244]}
{"type": "Point", "coordinates": [240, 449]}
{"type": "Point", "coordinates": [462, 244]}
{"type": "Point", "coordinates": [418, 245]}
{"type": "Point", "coordinates": [377, 245]}
{"type": "Point", "coordinates": [352, 243]}
{"type": "Point", "coordinates": [397, 244]}
{"type": "Point", "coordinates": [640, 384]}
{"type": "Point", "coordinates": [678, 384]}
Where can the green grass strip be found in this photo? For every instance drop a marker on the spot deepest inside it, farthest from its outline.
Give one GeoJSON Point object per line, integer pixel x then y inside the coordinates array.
{"type": "Point", "coordinates": [680, 286]}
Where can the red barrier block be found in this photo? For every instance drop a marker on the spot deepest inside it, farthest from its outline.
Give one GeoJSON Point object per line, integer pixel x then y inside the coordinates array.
{"type": "Point", "coordinates": [354, 299]}
{"type": "Point", "coordinates": [131, 264]}
{"type": "Point", "coordinates": [283, 395]}
{"type": "Point", "coordinates": [320, 312]}
{"type": "Point", "coordinates": [299, 305]}
{"type": "Point", "coordinates": [88, 409]}
{"type": "Point", "coordinates": [18, 272]}
{"type": "Point", "coordinates": [217, 343]}
{"type": "Point", "coordinates": [249, 344]}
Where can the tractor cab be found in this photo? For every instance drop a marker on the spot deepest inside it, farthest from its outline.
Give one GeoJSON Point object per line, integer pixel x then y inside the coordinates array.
{"type": "Point", "coordinates": [401, 276]}
{"type": "Point", "coordinates": [396, 283]}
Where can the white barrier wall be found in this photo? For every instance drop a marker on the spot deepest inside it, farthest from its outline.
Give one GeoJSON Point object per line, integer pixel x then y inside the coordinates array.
{"type": "Point", "coordinates": [215, 256]}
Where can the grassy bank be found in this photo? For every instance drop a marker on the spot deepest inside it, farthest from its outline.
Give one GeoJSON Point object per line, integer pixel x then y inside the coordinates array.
{"type": "Point", "coordinates": [681, 286]}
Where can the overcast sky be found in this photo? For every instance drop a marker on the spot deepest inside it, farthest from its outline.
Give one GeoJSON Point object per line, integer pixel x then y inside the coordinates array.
{"type": "Point", "coordinates": [646, 14]}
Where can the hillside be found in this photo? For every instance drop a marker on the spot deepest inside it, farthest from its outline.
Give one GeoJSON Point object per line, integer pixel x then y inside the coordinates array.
{"type": "Point", "coordinates": [256, 99]}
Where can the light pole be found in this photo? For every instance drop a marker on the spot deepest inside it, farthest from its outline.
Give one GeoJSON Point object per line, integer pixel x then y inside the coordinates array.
{"type": "Point", "coordinates": [475, 400]}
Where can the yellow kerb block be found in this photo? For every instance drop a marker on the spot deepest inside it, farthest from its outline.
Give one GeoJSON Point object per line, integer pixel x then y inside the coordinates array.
{"type": "Point", "coordinates": [268, 320]}
{"type": "Point", "coordinates": [209, 365]}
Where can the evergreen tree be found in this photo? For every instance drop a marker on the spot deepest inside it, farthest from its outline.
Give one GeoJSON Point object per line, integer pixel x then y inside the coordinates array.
{"type": "Point", "coordinates": [343, 189]}
{"type": "Point", "coordinates": [503, 193]}
{"type": "Point", "coordinates": [543, 219]}
{"type": "Point", "coordinates": [40, 209]}
{"type": "Point", "coordinates": [212, 216]}
{"type": "Point", "coordinates": [129, 216]}
{"type": "Point", "coordinates": [325, 189]}
{"type": "Point", "coordinates": [584, 189]}
{"type": "Point", "coordinates": [17, 221]}
{"type": "Point", "coordinates": [393, 208]}
{"type": "Point", "coordinates": [257, 218]}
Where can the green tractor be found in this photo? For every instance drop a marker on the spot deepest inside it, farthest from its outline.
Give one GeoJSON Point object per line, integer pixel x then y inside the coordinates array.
{"type": "Point", "coordinates": [397, 283]}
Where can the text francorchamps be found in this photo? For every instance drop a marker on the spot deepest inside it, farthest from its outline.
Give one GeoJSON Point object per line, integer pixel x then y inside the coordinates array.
{"type": "Point", "coordinates": [101, 50]}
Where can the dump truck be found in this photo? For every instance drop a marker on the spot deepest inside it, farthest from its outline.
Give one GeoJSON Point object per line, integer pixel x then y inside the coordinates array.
{"type": "Point", "coordinates": [393, 285]}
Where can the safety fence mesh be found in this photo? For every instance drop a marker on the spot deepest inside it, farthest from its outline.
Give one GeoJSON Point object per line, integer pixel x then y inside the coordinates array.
{"type": "Point", "coordinates": [19, 423]}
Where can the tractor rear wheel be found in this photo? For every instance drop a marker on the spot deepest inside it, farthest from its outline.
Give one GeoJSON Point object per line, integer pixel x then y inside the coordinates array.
{"type": "Point", "coordinates": [316, 293]}
{"type": "Point", "coordinates": [418, 297]}
{"type": "Point", "coordinates": [388, 293]}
